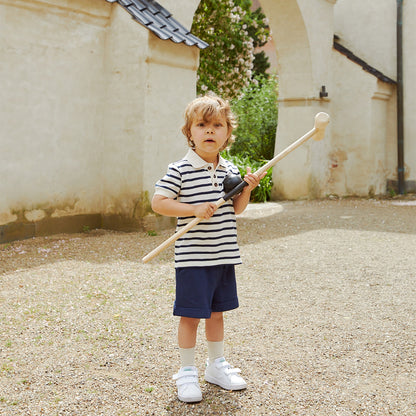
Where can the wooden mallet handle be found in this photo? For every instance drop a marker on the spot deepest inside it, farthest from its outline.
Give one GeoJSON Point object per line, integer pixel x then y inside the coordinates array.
{"type": "Point", "coordinates": [318, 132]}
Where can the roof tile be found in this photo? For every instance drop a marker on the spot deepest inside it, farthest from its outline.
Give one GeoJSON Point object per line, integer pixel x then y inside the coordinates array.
{"type": "Point", "coordinates": [140, 17]}
{"type": "Point", "coordinates": [160, 21]}
{"type": "Point", "coordinates": [140, 5]}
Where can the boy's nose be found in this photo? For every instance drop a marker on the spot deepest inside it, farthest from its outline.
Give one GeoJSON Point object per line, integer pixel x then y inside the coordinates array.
{"type": "Point", "coordinates": [210, 129]}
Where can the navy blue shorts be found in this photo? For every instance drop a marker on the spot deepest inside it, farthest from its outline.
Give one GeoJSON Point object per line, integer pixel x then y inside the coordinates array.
{"type": "Point", "coordinates": [202, 290]}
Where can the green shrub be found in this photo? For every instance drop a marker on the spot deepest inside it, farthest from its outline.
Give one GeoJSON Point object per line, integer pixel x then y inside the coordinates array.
{"type": "Point", "coordinates": [257, 112]}
{"type": "Point", "coordinates": [255, 135]}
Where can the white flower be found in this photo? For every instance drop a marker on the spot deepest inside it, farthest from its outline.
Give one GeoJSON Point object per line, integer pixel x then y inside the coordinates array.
{"type": "Point", "coordinates": [204, 87]}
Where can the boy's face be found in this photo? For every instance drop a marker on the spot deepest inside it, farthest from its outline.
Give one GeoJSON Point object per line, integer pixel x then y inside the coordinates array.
{"type": "Point", "coordinates": [209, 136]}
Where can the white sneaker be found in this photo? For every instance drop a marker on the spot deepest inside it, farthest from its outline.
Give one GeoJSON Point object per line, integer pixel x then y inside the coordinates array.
{"type": "Point", "coordinates": [188, 386]}
{"type": "Point", "coordinates": [221, 373]}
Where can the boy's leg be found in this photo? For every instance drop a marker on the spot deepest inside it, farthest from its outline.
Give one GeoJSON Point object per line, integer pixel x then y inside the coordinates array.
{"type": "Point", "coordinates": [187, 377]}
{"type": "Point", "coordinates": [214, 331]}
{"type": "Point", "coordinates": [214, 327]}
{"type": "Point", "coordinates": [187, 332]}
{"type": "Point", "coordinates": [218, 371]}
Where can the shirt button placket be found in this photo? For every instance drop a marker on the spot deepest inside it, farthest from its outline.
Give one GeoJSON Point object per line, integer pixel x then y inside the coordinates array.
{"type": "Point", "coordinates": [213, 177]}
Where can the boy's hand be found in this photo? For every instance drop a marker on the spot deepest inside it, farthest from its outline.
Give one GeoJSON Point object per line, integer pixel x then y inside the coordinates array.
{"type": "Point", "coordinates": [205, 210]}
{"type": "Point", "coordinates": [252, 179]}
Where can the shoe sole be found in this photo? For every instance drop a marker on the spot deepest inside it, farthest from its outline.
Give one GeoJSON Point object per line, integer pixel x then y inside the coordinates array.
{"type": "Point", "coordinates": [217, 382]}
{"type": "Point", "coordinates": [190, 400]}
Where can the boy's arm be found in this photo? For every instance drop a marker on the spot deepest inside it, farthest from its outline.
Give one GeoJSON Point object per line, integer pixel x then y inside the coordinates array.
{"type": "Point", "coordinates": [173, 208]}
{"type": "Point", "coordinates": [241, 200]}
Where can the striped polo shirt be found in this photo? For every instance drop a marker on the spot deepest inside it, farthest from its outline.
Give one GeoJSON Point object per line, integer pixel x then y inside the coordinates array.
{"type": "Point", "coordinates": [193, 181]}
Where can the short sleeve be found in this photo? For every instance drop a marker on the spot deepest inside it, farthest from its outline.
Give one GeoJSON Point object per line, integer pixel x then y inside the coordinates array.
{"type": "Point", "coordinates": [170, 185]}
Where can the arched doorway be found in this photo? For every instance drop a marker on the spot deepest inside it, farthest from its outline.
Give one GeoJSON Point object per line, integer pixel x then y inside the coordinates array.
{"type": "Point", "coordinates": [303, 46]}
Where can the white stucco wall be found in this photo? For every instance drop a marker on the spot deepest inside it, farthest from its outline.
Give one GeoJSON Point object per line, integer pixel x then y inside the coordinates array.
{"type": "Point", "coordinates": [369, 30]}
{"type": "Point", "coordinates": [304, 47]}
{"type": "Point", "coordinates": [94, 109]}
{"type": "Point", "coordinates": [166, 103]}
{"type": "Point", "coordinates": [123, 109]}
{"type": "Point", "coordinates": [92, 103]}
{"type": "Point", "coordinates": [409, 93]}
{"type": "Point", "coordinates": [183, 13]}
{"type": "Point", "coordinates": [359, 154]}
{"type": "Point", "coordinates": [51, 75]}
{"type": "Point", "coordinates": [360, 118]}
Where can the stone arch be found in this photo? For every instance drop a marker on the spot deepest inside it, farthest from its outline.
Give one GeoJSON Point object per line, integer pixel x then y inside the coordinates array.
{"type": "Point", "coordinates": [303, 47]}
{"type": "Point", "coordinates": [303, 35]}
{"type": "Point", "coordinates": [292, 46]}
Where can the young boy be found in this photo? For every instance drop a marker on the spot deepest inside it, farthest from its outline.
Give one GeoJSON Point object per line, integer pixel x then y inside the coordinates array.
{"type": "Point", "coordinates": [205, 256]}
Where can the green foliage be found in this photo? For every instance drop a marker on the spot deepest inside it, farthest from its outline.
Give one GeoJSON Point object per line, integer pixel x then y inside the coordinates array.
{"type": "Point", "coordinates": [261, 64]}
{"type": "Point", "coordinates": [233, 31]}
{"type": "Point", "coordinates": [258, 33]}
{"type": "Point", "coordinates": [257, 112]}
{"type": "Point", "coordinates": [230, 68]}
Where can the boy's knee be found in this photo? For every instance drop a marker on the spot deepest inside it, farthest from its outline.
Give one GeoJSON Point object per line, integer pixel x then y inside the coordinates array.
{"type": "Point", "coordinates": [192, 322]}
{"type": "Point", "coordinates": [216, 315]}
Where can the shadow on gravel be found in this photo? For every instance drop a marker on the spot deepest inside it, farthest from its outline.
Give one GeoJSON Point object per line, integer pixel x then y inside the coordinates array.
{"type": "Point", "coordinates": [215, 402]}
{"type": "Point", "coordinates": [299, 217]}
{"type": "Point", "coordinates": [270, 221]}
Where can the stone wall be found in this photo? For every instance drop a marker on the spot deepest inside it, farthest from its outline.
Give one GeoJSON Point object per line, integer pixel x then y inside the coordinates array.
{"type": "Point", "coordinates": [93, 112]}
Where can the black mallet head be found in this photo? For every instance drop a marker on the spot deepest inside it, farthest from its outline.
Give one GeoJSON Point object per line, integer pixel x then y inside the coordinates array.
{"type": "Point", "coordinates": [230, 182]}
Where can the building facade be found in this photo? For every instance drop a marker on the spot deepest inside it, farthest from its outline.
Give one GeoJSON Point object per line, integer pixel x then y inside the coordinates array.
{"type": "Point", "coordinates": [92, 102]}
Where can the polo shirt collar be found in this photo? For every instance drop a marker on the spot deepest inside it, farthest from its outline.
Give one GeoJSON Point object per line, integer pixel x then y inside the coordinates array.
{"type": "Point", "coordinates": [198, 163]}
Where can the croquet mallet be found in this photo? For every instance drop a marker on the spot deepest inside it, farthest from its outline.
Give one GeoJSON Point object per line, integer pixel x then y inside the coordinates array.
{"type": "Point", "coordinates": [317, 132]}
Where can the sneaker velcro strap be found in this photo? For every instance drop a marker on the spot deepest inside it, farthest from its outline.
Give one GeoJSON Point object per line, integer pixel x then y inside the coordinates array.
{"type": "Point", "coordinates": [232, 371]}
{"type": "Point", "coordinates": [186, 380]}
{"type": "Point", "coordinates": [222, 364]}
{"type": "Point", "coordinates": [186, 374]}
{"type": "Point", "coordinates": [226, 367]}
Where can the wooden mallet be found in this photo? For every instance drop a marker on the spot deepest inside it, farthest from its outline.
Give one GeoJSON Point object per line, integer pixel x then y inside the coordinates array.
{"type": "Point", "coordinates": [318, 132]}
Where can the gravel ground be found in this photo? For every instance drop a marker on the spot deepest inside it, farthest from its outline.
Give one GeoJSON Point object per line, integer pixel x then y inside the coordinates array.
{"type": "Point", "coordinates": [326, 324]}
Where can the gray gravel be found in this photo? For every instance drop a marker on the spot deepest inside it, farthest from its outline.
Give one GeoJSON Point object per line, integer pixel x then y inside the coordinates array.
{"type": "Point", "coordinates": [326, 325]}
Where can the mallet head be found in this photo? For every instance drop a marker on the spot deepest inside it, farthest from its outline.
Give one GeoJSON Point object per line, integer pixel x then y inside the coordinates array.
{"type": "Point", "coordinates": [321, 121]}
{"type": "Point", "coordinates": [230, 182]}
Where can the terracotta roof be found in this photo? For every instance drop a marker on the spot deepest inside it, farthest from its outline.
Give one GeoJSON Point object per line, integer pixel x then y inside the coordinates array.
{"type": "Point", "coordinates": [368, 68]}
{"type": "Point", "coordinates": [160, 21]}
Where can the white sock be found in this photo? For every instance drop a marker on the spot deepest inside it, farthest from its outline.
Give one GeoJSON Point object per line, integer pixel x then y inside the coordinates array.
{"type": "Point", "coordinates": [187, 357]}
{"type": "Point", "coordinates": [215, 350]}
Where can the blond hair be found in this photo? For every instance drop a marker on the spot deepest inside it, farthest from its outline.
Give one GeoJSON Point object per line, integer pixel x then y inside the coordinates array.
{"type": "Point", "coordinates": [209, 107]}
